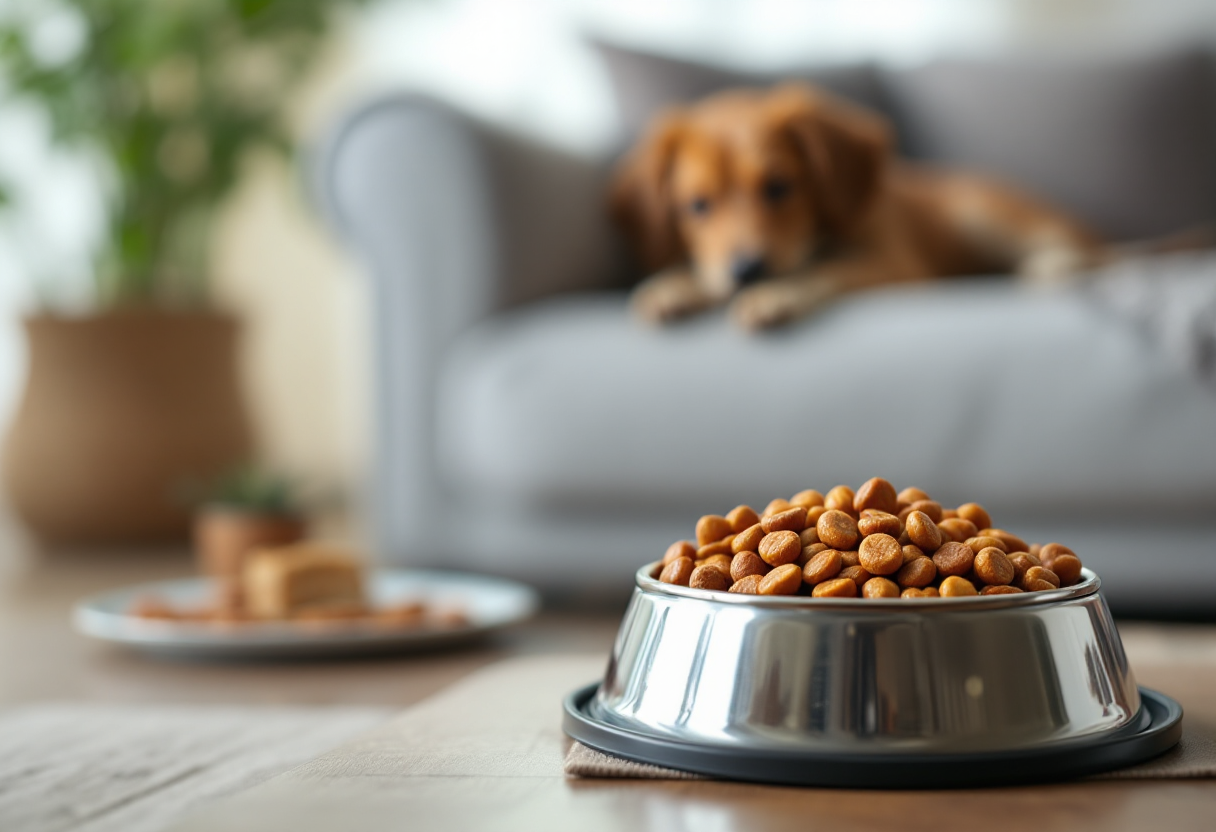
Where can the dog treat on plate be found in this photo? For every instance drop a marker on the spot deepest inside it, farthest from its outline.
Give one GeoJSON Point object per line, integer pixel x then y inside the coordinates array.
{"type": "Point", "coordinates": [290, 580]}
{"type": "Point", "coordinates": [321, 585]}
{"type": "Point", "coordinates": [874, 542]}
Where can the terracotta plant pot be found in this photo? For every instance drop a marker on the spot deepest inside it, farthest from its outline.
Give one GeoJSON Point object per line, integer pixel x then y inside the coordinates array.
{"type": "Point", "coordinates": [121, 413]}
{"type": "Point", "coordinates": [224, 535]}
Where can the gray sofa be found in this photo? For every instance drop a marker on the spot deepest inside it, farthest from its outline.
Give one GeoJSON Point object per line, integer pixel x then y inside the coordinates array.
{"type": "Point", "coordinates": [527, 425]}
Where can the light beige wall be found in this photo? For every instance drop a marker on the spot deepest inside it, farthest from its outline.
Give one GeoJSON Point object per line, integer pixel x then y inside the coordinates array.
{"type": "Point", "coordinates": [305, 356]}
{"type": "Point", "coordinates": [307, 345]}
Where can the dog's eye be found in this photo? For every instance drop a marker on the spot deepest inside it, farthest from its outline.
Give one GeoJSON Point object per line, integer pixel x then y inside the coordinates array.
{"type": "Point", "coordinates": [775, 189]}
{"type": "Point", "coordinates": [699, 206]}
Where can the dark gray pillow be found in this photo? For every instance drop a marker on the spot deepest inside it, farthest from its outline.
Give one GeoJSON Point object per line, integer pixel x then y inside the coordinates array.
{"type": "Point", "coordinates": [1126, 143]}
{"type": "Point", "coordinates": [644, 83]}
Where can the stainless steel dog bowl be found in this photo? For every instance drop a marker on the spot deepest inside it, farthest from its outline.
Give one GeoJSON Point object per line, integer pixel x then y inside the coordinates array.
{"type": "Point", "coordinates": [872, 692]}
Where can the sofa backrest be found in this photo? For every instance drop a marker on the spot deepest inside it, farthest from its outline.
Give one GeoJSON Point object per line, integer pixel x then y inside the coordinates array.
{"type": "Point", "coordinates": [644, 83]}
{"type": "Point", "coordinates": [1127, 143]}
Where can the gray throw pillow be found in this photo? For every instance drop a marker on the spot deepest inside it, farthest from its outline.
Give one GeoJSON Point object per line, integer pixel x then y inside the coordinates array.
{"type": "Point", "coordinates": [1126, 143]}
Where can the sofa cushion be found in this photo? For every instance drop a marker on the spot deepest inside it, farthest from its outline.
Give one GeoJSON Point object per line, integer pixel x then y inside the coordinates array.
{"type": "Point", "coordinates": [644, 83]}
{"type": "Point", "coordinates": [1127, 143]}
{"type": "Point", "coordinates": [1037, 401]}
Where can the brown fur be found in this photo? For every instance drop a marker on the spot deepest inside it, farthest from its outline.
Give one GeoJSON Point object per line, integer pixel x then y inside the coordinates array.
{"type": "Point", "coordinates": [805, 188]}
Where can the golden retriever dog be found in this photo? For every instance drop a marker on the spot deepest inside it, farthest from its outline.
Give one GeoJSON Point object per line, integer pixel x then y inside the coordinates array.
{"type": "Point", "coordinates": [779, 201]}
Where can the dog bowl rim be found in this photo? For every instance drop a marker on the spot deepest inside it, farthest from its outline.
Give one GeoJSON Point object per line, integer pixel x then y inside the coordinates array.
{"type": "Point", "coordinates": [647, 581]}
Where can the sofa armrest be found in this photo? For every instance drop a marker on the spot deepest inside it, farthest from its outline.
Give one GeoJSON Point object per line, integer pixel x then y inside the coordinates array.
{"type": "Point", "coordinates": [453, 220]}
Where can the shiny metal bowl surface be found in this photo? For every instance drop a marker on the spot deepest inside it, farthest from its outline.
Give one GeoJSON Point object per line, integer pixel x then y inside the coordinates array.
{"type": "Point", "coordinates": [860, 676]}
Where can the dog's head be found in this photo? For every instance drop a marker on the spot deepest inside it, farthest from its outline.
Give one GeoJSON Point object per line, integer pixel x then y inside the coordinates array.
{"type": "Point", "coordinates": [749, 184]}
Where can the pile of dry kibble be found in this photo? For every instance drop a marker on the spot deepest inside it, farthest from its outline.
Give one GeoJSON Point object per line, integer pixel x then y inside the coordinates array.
{"type": "Point", "coordinates": [873, 542]}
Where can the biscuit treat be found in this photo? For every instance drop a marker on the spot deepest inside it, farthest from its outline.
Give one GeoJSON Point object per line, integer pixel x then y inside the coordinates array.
{"type": "Point", "coordinates": [304, 580]}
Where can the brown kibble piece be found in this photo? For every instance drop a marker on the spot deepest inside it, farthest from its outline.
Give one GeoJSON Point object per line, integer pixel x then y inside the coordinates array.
{"type": "Point", "coordinates": [879, 588]}
{"type": "Point", "coordinates": [721, 562]}
{"type": "Point", "coordinates": [1039, 574]}
{"type": "Point", "coordinates": [807, 499]}
{"type": "Point", "coordinates": [1050, 551]}
{"type": "Point", "coordinates": [876, 493]}
{"type": "Point", "coordinates": [711, 528]}
{"type": "Point", "coordinates": [930, 592]}
{"type": "Point", "coordinates": [779, 548]}
{"type": "Point", "coordinates": [957, 529]}
{"type": "Point", "coordinates": [784, 580]}
{"type": "Point", "coordinates": [741, 517]}
{"type": "Point", "coordinates": [1021, 562]}
{"type": "Point", "coordinates": [837, 529]}
{"type": "Point", "coordinates": [679, 549]}
{"type": "Point", "coordinates": [881, 554]}
{"type": "Point", "coordinates": [839, 498]}
{"type": "Point", "coordinates": [748, 540]}
{"type": "Point", "coordinates": [1012, 542]}
{"type": "Point", "coordinates": [849, 558]}
{"type": "Point", "coordinates": [976, 514]}
{"type": "Point", "coordinates": [709, 577]}
{"type": "Point", "coordinates": [809, 535]}
{"type": "Point", "coordinates": [749, 585]}
{"type": "Point", "coordinates": [809, 552]}
{"type": "Point", "coordinates": [1067, 568]}
{"type": "Point", "coordinates": [948, 514]}
{"type": "Point", "coordinates": [677, 572]}
{"type": "Point", "coordinates": [953, 559]}
{"type": "Point", "coordinates": [911, 592]}
{"type": "Point", "coordinates": [874, 521]}
{"type": "Point", "coordinates": [929, 507]}
{"type": "Point", "coordinates": [918, 573]}
{"type": "Point", "coordinates": [923, 531]}
{"type": "Point", "coordinates": [836, 588]}
{"type": "Point", "coordinates": [981, 542]}
{"type": "Point", "coordinates": [774, 507]}
{"type": "Point", "coordinates": [791, 520]}
{"type": "Point", "coordinates": [822, 567]}
{"type": "Point", "coordinates": [745, 564]}
{"type": "Point", "coordinates": [718, 547]}
{"type": "Point", "coordinates": [1035, 548]}
{"type": "Point", "coordinates": [910, 495]}
{"type": "Point", "coordinates": [857, 574]}
{"type": "Point", "coordinates": [1000, 590]}
{"type": "Point", "coordinates": [956, 587]}
{"type": "Point", "coordinates": [993, 567]}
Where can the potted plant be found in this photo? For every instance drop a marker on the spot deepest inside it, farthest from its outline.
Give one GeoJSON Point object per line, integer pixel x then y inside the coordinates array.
{"type": "Point", "coordinates": [123, 404]}
{"type": "Point", "coordinates": [245, 510]}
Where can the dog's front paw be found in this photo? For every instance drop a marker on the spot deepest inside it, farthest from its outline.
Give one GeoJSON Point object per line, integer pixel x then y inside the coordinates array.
{"type": "Point", "coordinates": [764, 307]}
{"type": "Point", "coordinates": [666, 298]}
{"type": "Point", "coordinates": [1053, 264]}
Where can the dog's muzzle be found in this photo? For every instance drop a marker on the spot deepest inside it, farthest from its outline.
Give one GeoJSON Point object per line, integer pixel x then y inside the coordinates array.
{"type": "Point", "coordinates": [747, 269]}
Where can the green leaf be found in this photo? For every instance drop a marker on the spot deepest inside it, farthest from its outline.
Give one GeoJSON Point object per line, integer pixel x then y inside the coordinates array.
{"type": "Point", "coordinates": [147, 75]}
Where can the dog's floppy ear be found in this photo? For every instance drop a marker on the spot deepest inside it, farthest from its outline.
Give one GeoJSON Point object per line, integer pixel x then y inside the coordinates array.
{"type": "Point", "coordinates": [640, 201]}
{"type": "Point", "coordinates": [846, 150]}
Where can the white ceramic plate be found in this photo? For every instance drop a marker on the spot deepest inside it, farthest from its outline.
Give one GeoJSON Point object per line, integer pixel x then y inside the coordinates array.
{"type": "Point", "coordinates": [488, 603]}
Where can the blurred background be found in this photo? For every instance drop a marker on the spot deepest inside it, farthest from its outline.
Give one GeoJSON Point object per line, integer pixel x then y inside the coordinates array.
{"type": "Point", "coordinates": [269, 166]}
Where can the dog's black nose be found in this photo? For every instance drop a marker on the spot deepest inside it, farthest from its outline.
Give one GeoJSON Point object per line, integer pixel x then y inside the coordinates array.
{"type": "Point", "coordinates": [747, 269]}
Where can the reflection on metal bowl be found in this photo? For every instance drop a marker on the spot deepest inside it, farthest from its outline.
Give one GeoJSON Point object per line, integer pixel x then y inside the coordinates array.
{"type": "Point", "coordinates": [865, 677]}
